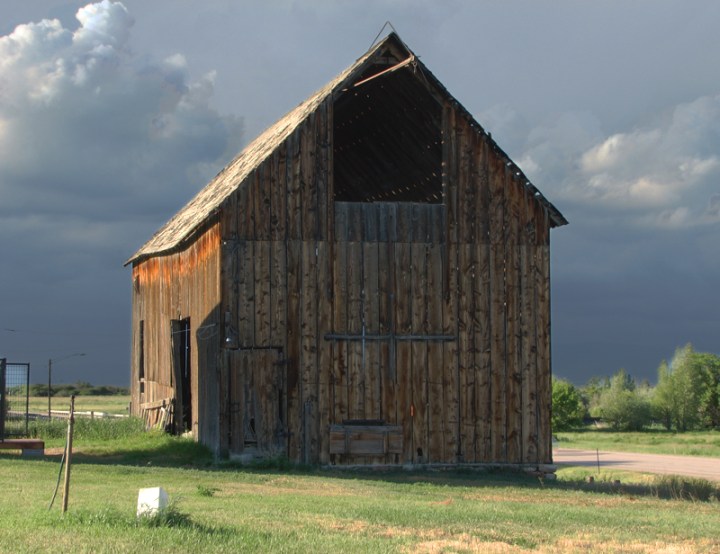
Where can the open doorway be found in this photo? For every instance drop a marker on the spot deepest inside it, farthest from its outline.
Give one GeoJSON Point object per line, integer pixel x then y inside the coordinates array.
{"type": "Point", "coordinates": [182, 374]}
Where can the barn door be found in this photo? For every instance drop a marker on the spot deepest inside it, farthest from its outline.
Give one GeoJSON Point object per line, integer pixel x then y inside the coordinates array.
{"type": "Point", "coordinates": [258, 402]}
{"type": "Point", "coordinates": [389, 353]}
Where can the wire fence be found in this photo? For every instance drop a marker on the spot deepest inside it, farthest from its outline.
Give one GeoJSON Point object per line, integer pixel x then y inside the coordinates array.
{"type": "Point", "coordinates": [14, 399]}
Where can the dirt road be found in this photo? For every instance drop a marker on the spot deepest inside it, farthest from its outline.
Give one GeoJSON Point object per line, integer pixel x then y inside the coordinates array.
{"type": "Point", "coordinates": [691, 466]}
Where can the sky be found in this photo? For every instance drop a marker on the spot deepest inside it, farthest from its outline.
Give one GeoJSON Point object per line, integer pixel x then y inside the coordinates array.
{"type": "Point", "coordinates": [113, 115]}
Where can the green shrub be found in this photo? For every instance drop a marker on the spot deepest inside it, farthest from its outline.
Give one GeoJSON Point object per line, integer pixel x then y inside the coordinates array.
{"type": "Point", "coordinates": [568, 410]}
{"type": "Point", "coordinates": [685, 488]}
{"type": "Point", "coordinates": [623, 406]}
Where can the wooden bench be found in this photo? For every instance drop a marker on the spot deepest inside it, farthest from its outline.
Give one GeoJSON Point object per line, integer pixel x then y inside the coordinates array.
{"type": "Point", "coordinates": [28, 447]}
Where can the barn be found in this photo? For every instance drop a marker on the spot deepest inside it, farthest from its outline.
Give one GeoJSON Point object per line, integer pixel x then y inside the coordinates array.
{"type": "Point", "coordinates": [367, 282]}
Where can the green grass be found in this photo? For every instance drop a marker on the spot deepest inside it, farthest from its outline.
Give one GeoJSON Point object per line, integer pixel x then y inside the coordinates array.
{"type": "Point", "coordinates": [696, 443]}
{"type": "Point", "coordinates": [111, 404]}
{"type": "Point", "coordinates": [220, 507]}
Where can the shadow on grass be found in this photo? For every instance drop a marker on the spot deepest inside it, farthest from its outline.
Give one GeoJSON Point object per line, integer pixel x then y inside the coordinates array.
{"type": "Point", "coordinates": [150, 449]}
{"type": "Point", "coordinates": [111, 518]}
{"type": "Point", "coordinates": [666, 487]}
{"type": "Point", "coordinates": [161, 450]}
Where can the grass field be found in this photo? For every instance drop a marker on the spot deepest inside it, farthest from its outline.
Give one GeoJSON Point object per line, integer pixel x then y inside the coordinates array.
{"type": "Point", "coordinates": [697, 443]}
{"type": "Point", "coordinates": [218, 507]}
{"type": "Point", "coordinates": [109, 404]}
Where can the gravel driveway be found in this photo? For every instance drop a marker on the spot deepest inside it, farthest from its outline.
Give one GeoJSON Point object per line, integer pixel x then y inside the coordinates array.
{"type": "Point", "coordinates": [691, 466]}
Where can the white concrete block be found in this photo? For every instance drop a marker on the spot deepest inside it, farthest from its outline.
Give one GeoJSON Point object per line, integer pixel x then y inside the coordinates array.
{"type": "Point", "coordinates": [151, 501]}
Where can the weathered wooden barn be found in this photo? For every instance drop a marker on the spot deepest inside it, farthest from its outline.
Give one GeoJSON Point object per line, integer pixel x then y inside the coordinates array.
{"type": "Point", "coordinates": [368, 282]}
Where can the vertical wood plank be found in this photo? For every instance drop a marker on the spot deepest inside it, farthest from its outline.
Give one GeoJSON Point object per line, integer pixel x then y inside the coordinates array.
{"type": "Point", "coordinates": [371, 321]}
{"type": "Point", "coordinates": [330, 171]}
{"type": "Point", "coordinates": [450, 171]}
{"type": "Point", "coordinates": [403, 324]}
{"type": "Point", "coordinates": [355, 300]}
{"type": "Point", "coordinates": [436, 436]}
{"type": "Point", "coordinates": [482, 316]}
{"type": "Point", "coordinates": [466, 351]}
{"type": "Point", "coordinates": [544, 370]}
{"type": "Point", "coordinates": [529, 336]}
{"type": "Point", "coordinates": [308, 155]}
{"type": "Point", "coordinates": [278, 294]}
{"type": "Point", "coordinates": [262, 260]}
{"type": "Point", "coordinates": [419, 352]}
{"type": "Point", "coordinates": [294, 357]}
{"type": "Point", "coordinates": [497, 314]}
{"type": "Point", "coordinates": [294, 186]}
{"type": "Point", "coordinates": [386, 325]}
{"type": "Point", "coordinates": [325, 350]}
{"type": "Point", "coordinates": [451, 287]}
{"type": "Point", "coordinates": [278, 193]}
{"type": "Point", "coordinates": [322, 169]}
{"type": "Point", "coordinates": [339, 384]}
{"type": "Point", "coordinates": [263, 194]}
{"type": "Point", "coordinates": [451, 379]}
{"type": "Point", "coordinates": [512, 291]}
{"type": "Point", "coordinates": [309, 349]}
{"type": "Point", "coordinates": [246, 293]}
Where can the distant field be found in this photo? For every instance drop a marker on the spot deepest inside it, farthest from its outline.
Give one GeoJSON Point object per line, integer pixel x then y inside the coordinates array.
{"type": "Point", "coordinates": [109, 404]}
{"type": "Point", "coordinates": [700, 443]}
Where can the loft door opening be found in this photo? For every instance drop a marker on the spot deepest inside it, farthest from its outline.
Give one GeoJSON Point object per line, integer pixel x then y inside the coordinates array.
{"type": "Point", "coordinates": [387, 138]}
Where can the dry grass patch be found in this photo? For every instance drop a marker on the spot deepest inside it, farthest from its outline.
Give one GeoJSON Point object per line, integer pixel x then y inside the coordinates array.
{"type": "Point", "coordinates": [463, 543]}
{"type": "Point", "coordinates": [587, 544]}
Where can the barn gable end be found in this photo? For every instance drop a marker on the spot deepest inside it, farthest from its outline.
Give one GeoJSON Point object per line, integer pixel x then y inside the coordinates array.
{"type": "Point", "coordinates": [367, 282]}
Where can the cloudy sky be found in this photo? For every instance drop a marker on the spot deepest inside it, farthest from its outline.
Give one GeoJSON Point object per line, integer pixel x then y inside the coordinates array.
{"type": "Point", "coordinates": [112, 115]}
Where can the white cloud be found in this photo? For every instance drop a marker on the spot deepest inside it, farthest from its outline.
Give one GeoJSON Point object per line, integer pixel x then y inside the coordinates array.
{"type": "Point", "coordinates": [666, 175]}
{"type": "Point", "coordinates": [671, 171]}
{"type": "Point", "coordinates": [103, 26]}
{"type": "Point", "coordinates": [87, 127]}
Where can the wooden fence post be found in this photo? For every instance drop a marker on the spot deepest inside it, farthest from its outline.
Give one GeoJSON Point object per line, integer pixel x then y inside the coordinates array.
{"type": "Point", "coordinates": [68, 454]}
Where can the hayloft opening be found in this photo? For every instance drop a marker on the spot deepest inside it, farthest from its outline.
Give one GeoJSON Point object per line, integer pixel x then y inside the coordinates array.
{"type": "Point", "coordinates": [388, 137]}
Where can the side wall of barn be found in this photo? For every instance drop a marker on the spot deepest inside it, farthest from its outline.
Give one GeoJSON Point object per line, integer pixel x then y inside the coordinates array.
{"type": "Point", "coordinates": [429, 320]}
{"type": "Point", "coordinates": [176, 328]}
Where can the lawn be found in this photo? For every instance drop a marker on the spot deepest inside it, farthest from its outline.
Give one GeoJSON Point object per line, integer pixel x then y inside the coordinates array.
{"type": "Point", "coordinates": [696, 443]}
{"type": "Point", "coordinates": [219, 507]}
{"type": "Point", "coordinates": [112, 404]}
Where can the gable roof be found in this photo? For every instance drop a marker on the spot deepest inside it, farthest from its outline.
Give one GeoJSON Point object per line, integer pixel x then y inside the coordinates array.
{"type": "Point", "coordinates": [191, 217]}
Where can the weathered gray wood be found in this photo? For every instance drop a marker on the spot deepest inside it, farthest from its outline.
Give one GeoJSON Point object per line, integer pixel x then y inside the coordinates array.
{"type": "Point", "coordinates": [434, 318]}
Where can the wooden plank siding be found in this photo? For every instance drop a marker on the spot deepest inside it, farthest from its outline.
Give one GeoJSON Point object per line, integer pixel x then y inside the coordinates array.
{"type": "Point", "coordinates": [182, 285]}
{"type": "Point", "coordinates": [428, 323]}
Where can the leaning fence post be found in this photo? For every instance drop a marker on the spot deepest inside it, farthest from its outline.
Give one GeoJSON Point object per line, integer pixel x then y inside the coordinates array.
{"type": "Point", "coordinates": [68, 454]}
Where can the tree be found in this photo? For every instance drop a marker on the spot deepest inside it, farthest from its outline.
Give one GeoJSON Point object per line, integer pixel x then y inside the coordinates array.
{"type": "Point", "coordinates": [623, 406]}
{"type": "Point", "coordinates": [663, 399]}
{"type": "Point", "coordinates": [708, 366]}
{"type": "Point", "coordinates": [568, 410]}
{"type": "Point", "coordinates": [677, 398]}
{"type": "Point", "coordinates": [592, 392]}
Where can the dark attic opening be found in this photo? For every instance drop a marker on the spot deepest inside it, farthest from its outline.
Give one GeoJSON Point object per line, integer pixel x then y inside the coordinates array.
{"type": "Point", "coordinates": [388, 136]}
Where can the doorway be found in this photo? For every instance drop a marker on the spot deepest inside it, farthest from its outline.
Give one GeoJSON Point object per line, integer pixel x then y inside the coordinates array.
{"type": "Point", "coordinates": [182, 374]}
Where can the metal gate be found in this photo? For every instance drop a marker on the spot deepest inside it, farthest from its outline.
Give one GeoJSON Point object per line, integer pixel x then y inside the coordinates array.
{"type": "Point", "coordinates": [14, 399]}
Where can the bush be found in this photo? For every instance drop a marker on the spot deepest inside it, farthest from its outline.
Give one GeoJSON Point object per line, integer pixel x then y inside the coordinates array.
{"type": "Point", "coordinates": [568, 410]}
{"type": "Point", "coordinates": [685, 488]}
{"type": "Point", "coordinates": [624, 407]}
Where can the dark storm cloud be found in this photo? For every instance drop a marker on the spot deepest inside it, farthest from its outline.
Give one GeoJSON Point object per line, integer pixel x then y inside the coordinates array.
{"type": "Point", "coordinates": [611, 108]}
{"type": "Point", "coordinates": [97, 147]}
